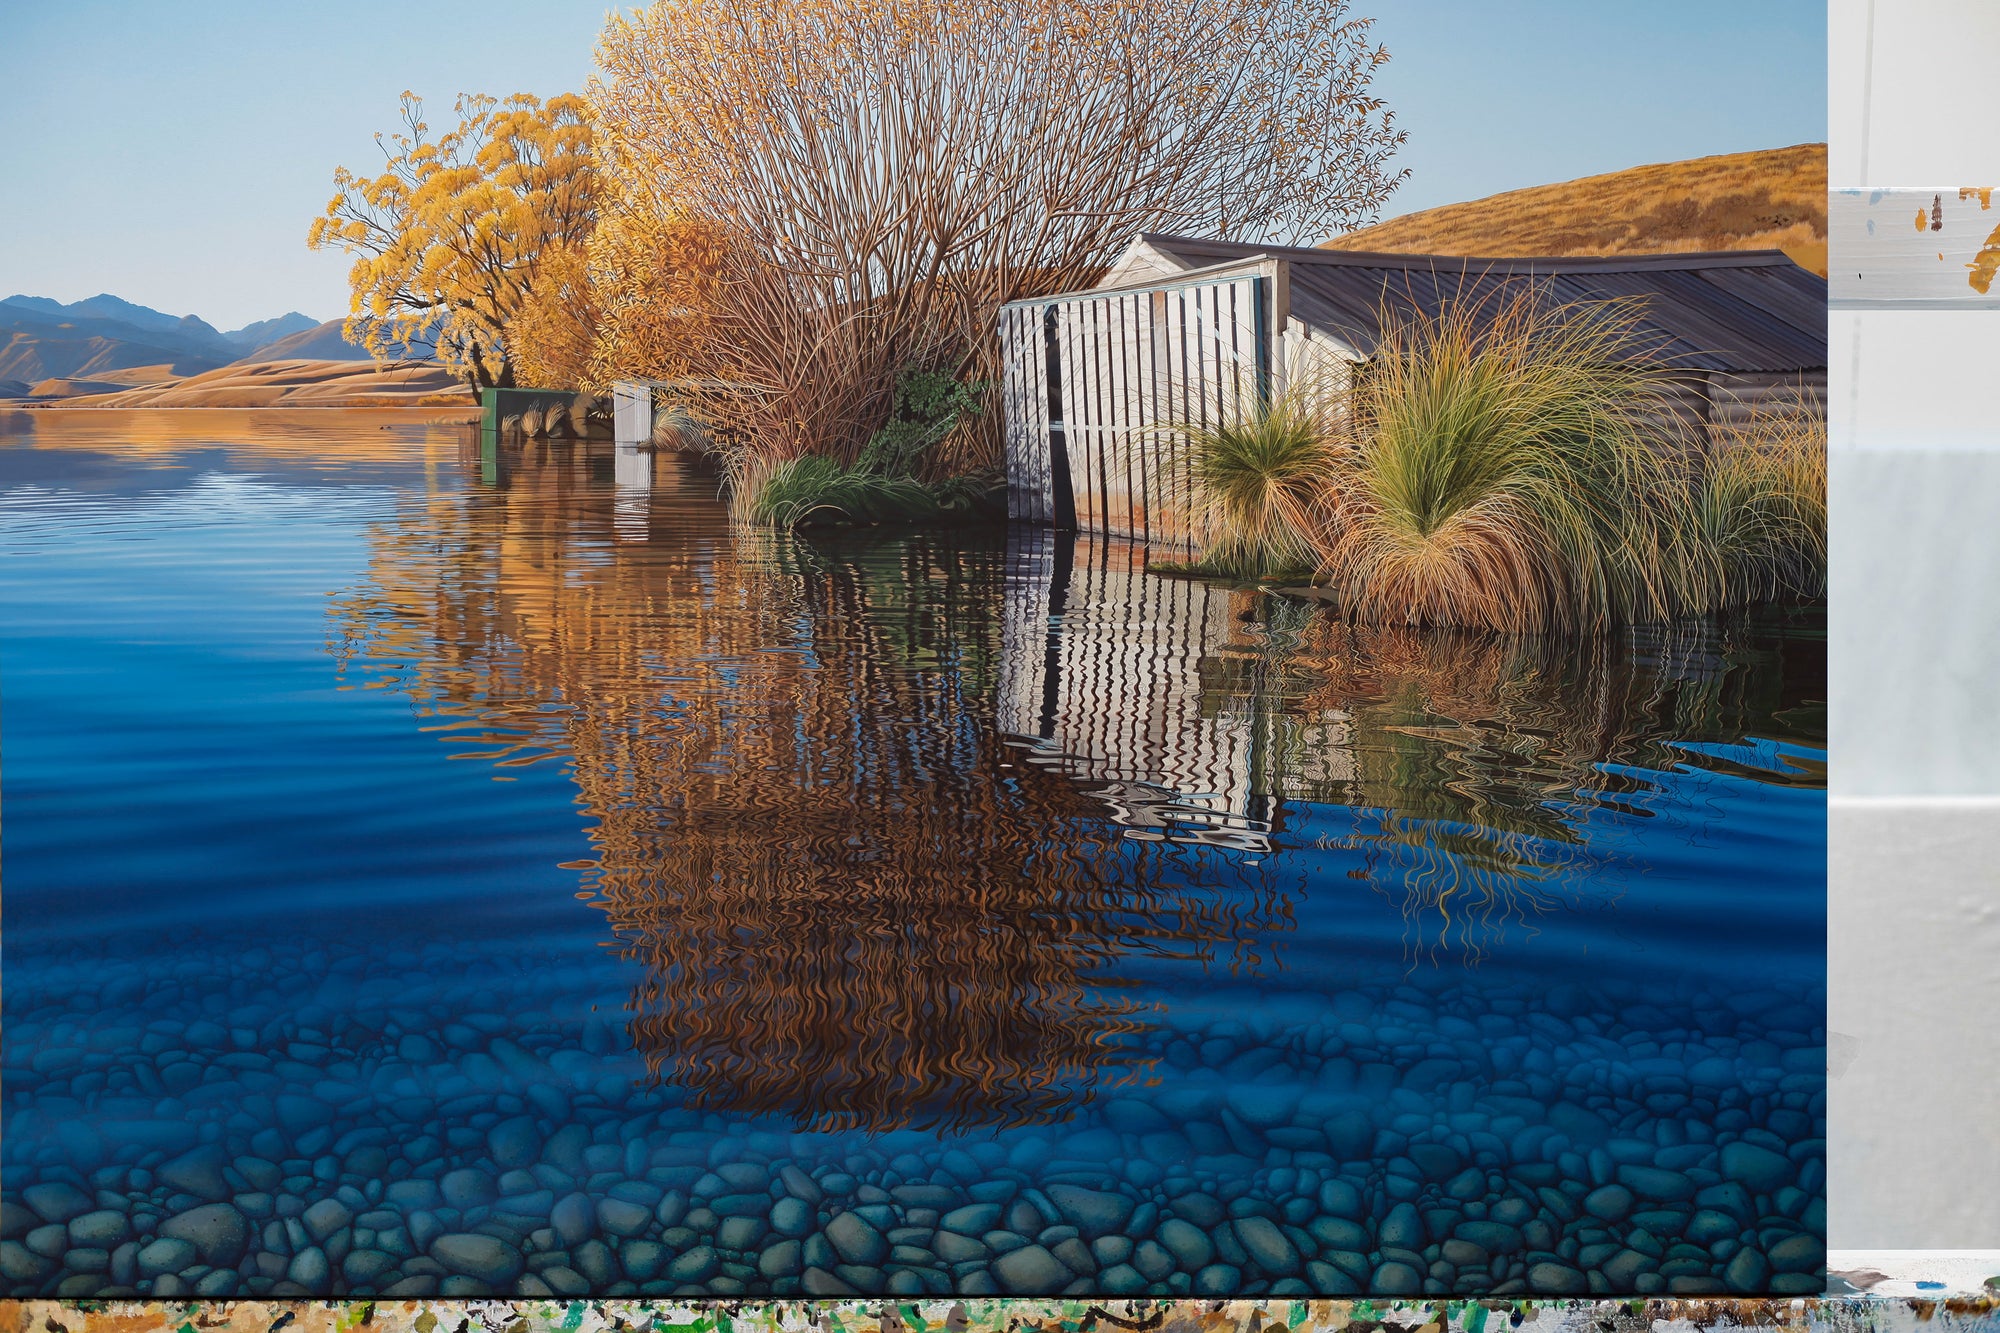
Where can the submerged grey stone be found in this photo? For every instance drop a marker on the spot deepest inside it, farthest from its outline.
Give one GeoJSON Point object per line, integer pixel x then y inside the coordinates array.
{"type": "Point", "coordinates": [216, 1230]}
{"type": "Point", "coordinates": [197, 1172]}
{"type": "Point", "coordinates": [573, 1218]}
{"type": "Point", "coordinates": [792, 1216]}
{"type": "Point", "coordinates": [1748, 1271]}
{"type": "Point", "coordinates": [57, 1201]}
{"type": "Point", "coordinates": [1797, 1254]}
{"type": "Point", "coordinates": [1031, 1271]}
{"type": "Point", "coordinates": [972, 1220]}
{"type": "Point", "coordinates": [1395, 1278]}
{"type": "Point", "coordinates": [1757, 1169]}
{"type": "Point", "coordinates": [819, 1282]}
{"type": "Point", "coordinates": [104, 1227]}
{"type": "Point", "coordinates": [476, 1255]}
{"type": "Point", "coordinates": [642, 1259]}
{"type": "Point", "coordinates": [621, 1218]}
{"type": "Point", "coordinates": [1093, 1212]}
{"type": "Point", "coordinates": [1188, 1243]}
{"type": "Point", "coordinates": [1611, 1202]}
{"type": "Point", "coordinates": [1557, 1279]}
{"type": "Point", "coordinates": [166, 1255]}
{"type": "Point", "coordinates": [364, 1266]}
{"type": "Point", "coordinates": [325, 1217]}
{"type": "Point", "coordinates": [856, 1240]}
{"type": "Point", "coordinates": [309, 1268]}
{"type": "Point", "coordinates": [697, 1265]}
{"type": "Point", "coordinates": [1267, 1246]}
{"type": "Point", "coordinates": [20, 1264]}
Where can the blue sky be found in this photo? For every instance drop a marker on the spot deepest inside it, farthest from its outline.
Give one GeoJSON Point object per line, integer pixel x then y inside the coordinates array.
{"type": "Point", "coordinates": [174, 154]}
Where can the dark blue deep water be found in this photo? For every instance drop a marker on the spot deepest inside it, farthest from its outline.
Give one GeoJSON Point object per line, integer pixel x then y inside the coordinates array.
{"type": "Point", "coordinates": [428, 878]}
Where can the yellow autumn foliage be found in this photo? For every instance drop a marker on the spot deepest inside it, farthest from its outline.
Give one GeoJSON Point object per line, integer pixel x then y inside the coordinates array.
{"type": "Point", "coordinates": [655, 276]}
{"type": "Point", "coordinates": [461, 234]}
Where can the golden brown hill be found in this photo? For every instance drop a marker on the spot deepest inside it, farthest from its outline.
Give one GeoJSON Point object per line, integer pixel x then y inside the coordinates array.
{"type": "Point", "coordinates": [111, 381]}
{"type": "Point", "coordinates": [1771, 199]}
{"type": "Point", "coordinates": [294, 383]}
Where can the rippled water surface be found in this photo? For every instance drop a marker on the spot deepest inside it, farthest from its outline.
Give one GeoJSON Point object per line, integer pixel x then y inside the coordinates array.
{"type": "Point", "coordinates": [436, 875]}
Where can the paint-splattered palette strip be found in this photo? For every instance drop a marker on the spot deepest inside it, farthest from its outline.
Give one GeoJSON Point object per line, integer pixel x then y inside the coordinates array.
{"type": "Point", "coordinates": [1913, 247]}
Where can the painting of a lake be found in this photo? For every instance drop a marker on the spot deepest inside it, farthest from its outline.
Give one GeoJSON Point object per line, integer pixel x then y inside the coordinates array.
{"type": "Point", "coordinates": [438, 868]}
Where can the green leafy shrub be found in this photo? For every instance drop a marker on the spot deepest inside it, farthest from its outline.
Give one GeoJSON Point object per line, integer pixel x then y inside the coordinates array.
{"type": "Point", "coordinates": [887, 482]}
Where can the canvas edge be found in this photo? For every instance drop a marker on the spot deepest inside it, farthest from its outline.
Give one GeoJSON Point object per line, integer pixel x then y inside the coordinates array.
{"type": "Point", "coordinates": [1959, 1302]}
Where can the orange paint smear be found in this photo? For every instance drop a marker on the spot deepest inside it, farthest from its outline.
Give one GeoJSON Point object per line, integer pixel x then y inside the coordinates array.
{"type": "Point", "coordinates": [1985, 264]}
{"type": "Point", "coordinates": [1985, 194]}
{"type": "Point", "coordinates": [1922, 220]}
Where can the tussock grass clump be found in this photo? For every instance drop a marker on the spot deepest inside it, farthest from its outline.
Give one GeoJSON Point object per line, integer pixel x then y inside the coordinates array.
{"type": "Point", "coordinates": [1506, 471]}
{"type": "Point", "coordinates": [679, 427]}
{"type": "Point", "coordinates": [1257, 487]}
{"type": "Point", "coordinates": [1756, 516]}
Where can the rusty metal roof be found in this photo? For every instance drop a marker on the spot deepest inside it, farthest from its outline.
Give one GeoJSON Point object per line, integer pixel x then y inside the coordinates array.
{"type": "Point", "coordinates": [1735, 311]}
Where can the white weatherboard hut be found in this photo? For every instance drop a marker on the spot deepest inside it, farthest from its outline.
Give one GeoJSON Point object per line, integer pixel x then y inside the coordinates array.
{"type": "Point", "coordinates": [1183, 331]}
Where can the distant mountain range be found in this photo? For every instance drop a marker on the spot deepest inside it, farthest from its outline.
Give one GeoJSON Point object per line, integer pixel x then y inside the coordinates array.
{"type": "Point", "coordinates": [42, 339]}
{"type": "Point", "coordinates": [264, 332]}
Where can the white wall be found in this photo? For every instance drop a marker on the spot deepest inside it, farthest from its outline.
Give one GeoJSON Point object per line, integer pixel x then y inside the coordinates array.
{"type": "Point", "coordinates": [1913, 1149]}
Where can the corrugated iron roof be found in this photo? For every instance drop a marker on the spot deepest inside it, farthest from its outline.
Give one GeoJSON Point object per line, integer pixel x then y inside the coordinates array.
{"type": "Point", "coordinates": [1735, 311]}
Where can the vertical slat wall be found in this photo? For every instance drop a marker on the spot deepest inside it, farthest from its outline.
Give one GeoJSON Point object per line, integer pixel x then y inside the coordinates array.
{"type": "Point", "coordinates": [1025, 405]}
{"type": "Point", "coordinates": [1135, 369]}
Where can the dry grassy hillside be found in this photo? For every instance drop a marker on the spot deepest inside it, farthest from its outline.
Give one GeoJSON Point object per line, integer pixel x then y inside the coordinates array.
{"type": "Point", "coordinates": [111, 381]}
{"type": "Point", "coordinates": [292, 383]}
{"type": "Point", "coordinates": [1772, 199]}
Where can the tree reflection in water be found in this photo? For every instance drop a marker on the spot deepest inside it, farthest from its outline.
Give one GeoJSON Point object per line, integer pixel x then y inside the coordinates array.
{"type": "Point", "coordinates": [853, 902]}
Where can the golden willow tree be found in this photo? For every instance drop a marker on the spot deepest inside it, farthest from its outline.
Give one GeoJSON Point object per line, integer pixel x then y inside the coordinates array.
{"type": "Point", "coordinates": [463, 237]}
{"type": "Point", "coordinates": [888, 172]}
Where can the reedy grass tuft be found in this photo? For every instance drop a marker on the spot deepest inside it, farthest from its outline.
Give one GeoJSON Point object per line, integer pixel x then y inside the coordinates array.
{"type": "Point", "coordinates": [1756, 512]}
{"type": "Point", "coordinates": [1502, 472]}
{"type": "Point", "coordinates": [678, 426]}
{"type": "Point", "coordinates": [1256, 489]}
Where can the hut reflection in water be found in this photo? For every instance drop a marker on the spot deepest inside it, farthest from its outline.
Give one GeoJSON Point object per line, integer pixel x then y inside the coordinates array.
{"type": "Point", "coordinates": [1468, 763]}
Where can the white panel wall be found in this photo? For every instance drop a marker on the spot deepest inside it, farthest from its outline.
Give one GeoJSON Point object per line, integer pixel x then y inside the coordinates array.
{"type": "Point", "coordinates": [1913, 1147]}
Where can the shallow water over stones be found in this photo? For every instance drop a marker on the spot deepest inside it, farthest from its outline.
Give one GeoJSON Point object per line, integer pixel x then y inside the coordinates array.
{"type": "Point", "coordinates": [912, 915]}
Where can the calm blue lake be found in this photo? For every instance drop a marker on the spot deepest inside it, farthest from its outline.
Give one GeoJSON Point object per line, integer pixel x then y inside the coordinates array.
{"type": "Point", "coordinates": [437, 876]}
